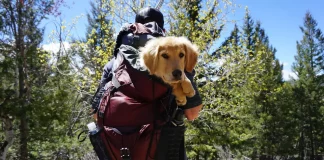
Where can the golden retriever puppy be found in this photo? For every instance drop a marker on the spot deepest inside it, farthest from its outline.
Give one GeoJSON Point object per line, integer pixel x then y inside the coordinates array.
{"type": "Point", "coordinates": [168, 58]}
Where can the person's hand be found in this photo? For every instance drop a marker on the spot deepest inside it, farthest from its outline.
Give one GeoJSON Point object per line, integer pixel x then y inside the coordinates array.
{"type": "Point", "coordinates": [192, 113]}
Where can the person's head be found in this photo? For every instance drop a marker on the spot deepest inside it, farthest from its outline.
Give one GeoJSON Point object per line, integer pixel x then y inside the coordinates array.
{"type": "Point", "coordinates": [149, 14]}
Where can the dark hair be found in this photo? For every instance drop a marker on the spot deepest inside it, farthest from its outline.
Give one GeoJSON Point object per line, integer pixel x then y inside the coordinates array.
{"type": "Point", "coordinates": [149, 14]}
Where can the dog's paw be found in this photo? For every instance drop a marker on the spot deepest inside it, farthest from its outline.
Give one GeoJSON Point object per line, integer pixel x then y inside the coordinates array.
{"type": "Point", "coordinates": [188, 89]}
{"type": "Point", "coordinates": [191, 93]}
{"type": "Point", "coordinates": [181, 101]}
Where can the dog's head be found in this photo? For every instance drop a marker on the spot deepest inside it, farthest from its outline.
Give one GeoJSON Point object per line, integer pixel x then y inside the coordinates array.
{"type": "Point", "coordinates": [169, 57]}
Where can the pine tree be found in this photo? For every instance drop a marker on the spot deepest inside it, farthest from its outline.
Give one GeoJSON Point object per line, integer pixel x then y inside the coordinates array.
{"type": "Point", "coordinates": [100, 40]}
{"type": "Point", "coordinates": [37, 99]}
{"type": "Point", "coordinates": [99, 29]}
{"type": "Point", "coordinates": [20, 38]}
{"type": "Point", "coordinates": [233, 41]}
{"type": "Point", "coordinates": [248, 32]}
{"type": "Point", "coordinates": [308, 88]}
{"type": "Point", "coordinates": [250, 79]}
{"type": "Point", "coordinates": [191, 20]}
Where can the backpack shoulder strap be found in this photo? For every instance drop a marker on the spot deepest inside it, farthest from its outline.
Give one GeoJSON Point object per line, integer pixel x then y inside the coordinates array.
{"type": "Point", "coordinates": [124, 30]}
{"type": "Point", "coordinates": [119, 59]}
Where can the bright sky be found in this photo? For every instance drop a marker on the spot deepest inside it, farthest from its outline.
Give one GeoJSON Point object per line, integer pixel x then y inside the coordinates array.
{"type": "Point", "coordinates": [280, 19]}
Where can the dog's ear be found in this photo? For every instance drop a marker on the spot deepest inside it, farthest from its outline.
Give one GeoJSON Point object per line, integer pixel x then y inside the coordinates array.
{"type": "Point", "coordinates": [149, 55]}
{"type": "Point", "coordinates": [150, 59]}
{"type": "Point", "coordinates": [191, 57]}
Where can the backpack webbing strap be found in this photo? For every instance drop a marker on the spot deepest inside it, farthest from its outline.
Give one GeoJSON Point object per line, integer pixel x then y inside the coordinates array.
{"type": "Point", "coordinates": [112, 88]}
{"type": "Point", "coordinates": [104, 100]}
{"type": "Point", "coordinates": [119, 59]}
{"type": "Point", "coordinates": [154, 121]}
{"type": "Point", "coordinates": [115, 82]}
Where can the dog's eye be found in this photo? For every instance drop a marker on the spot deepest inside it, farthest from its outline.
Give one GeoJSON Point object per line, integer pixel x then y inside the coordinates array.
{"type": "Point", "coordinates": [165, 56]}
{"type": "Point", "coordinates": [181, 55]}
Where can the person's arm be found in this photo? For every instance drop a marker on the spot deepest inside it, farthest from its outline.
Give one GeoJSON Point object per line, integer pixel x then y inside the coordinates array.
{"type": "Point", "coordinates": [193, 113]}
{"type": "Point", "coordinates": [194, 104]}
{"type": "Point", "coordinates": [105, 78]}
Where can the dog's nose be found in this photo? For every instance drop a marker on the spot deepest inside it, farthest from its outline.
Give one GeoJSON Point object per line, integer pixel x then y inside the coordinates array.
{"type": "Point", "coordinates": [177, 74]}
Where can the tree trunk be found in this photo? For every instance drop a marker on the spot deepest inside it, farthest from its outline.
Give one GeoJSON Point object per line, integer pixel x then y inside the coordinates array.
{"type": "Point", "coordinates": [206, 155]}
{"type": "Point", "coordinates": [311, 133]}
{"type": "Point", "coordinates": [23, 137]}
{"type": "Point", "coordinates": [22, 70]}
{"type": "Point", "coordinates": [23, 118]}
{"type": "Point", "coordinates": [9, 134]}
{"type": "Point", "coordinates": [301, 145]}
{"type": "Point", "coordinates": [197, 156]}
{"type": "Point", "coordinates": [23, 128]}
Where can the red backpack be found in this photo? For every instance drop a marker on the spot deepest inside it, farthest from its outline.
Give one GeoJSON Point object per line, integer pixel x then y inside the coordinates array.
{"type": "Point", "coordinates": [134, 111]}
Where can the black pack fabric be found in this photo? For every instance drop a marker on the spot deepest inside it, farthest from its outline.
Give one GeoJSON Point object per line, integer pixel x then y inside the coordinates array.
{"type": "Point", "coordinates": [126, 35]}
{"type": "Point", "coordinates": [98, 146]}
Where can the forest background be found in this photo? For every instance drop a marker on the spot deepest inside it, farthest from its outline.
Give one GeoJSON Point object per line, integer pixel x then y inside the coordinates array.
{"type": "Point", "coordinates": [263, 97]}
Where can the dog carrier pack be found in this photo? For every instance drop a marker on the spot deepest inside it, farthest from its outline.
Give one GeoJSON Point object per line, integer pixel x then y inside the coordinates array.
{"type": "Point", "coordinates": [137, 117]}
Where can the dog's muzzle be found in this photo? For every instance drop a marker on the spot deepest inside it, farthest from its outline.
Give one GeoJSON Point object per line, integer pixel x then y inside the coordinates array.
{"type": "Point", "coordinates": [177, 74]}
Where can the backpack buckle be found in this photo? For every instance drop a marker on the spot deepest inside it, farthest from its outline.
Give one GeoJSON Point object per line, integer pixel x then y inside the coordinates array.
{"type": "Point", "coordinates": [101, 114]}
{"type": "Point", "coordinates": [125, 154]}
{"type": "Point", "coordinates": [177, 117]}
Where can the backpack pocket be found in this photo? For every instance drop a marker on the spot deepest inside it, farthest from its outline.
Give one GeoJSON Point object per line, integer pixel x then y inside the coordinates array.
{"type": "Point", "coordinates": [140, 145]}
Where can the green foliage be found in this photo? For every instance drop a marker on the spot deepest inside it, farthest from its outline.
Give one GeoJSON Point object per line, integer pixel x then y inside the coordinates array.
{"type": "Point", "coordinates": [241, 79]}
{"type": "Point", "coordinates": [249, 111]}
{"type": "Point", "coordinates": [98, 47]}
{"type": "Point", "coordinates": [36, 96]}
{"type": "Point", "coordinates": [202, 26]}
{"type": "Point", "coordinates": [308, 88]}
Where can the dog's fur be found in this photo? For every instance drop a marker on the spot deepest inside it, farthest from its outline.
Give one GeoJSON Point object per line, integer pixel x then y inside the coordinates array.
{"type": "Point", "coordinates": [168, 58]}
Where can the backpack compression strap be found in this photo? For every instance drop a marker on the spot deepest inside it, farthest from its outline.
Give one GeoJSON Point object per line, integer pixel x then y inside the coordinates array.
{"type": "Point", "coordinates": [115, 85]}
{"type": "Point", "coordinates": [119, 59]}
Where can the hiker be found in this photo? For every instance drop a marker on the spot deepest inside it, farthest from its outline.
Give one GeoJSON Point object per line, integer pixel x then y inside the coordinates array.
{"type": "Point", "coordinates": [145, 124]}
{"type": "Point", "coordinates": [145, 15]}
